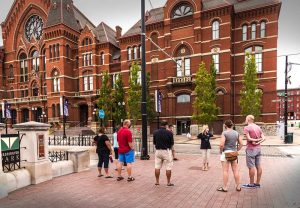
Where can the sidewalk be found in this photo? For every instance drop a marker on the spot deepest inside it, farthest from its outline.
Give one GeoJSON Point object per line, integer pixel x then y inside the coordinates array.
{"type": "Point", "coordinates": [193, 188]}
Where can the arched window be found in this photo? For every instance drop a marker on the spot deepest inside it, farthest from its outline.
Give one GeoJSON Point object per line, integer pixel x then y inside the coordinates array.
{"type": "Point", "coordinates": [23, 68]}
{"type": "Point", "coordinates": [86, 42]}
{"type": "Point", "coordinates": [154, 41]}
{"type": "Point", "coordinates": [184, 98]}
{"type": "Point", "coordinates": [253, 31]}
{"type": "Point", "coordinates": [35, 89]}
{"type": "Point", "coordinates": [44, 59]}
{"type": "Point", "coordinates": [56, 81]}
{"type": "Point", "coordinates": [245, 31]}
{"type": "Point", "coordinates": [11, 72]}
{"type": "Point", "coordinates": [35, 61]}
{"type": "Point", "coordinates": [129, 57]}
{"type": "Point", "coordinates": [12, 93]}
{"type": "Point", "coordinates": [135, 51]}
{"type": "Point", "coordinates": [87, 59]}
{"type": "Point", "coordinates": [263, 29]}
{"type": "Point", "coordinates": [183, 62]}
{"type": "Point", "coordinates": [45, 89]}
{"type": "Point", "coordinates": [102, 58]}
{"type": "Point", "coordinates": [57, 50]}
{"type": "Point", "coordinates": [53, 111]}
{"type": "Point", "coordinates": [58, 110]}
{"type": "Point", "coordinates": [77, 62]}
{"type": "Point", "coordinates": [215, 30]}
{"type": "Point", "coordinates": [88, 81]}
{"type": "Point", "coordinates": [68, 51]}
{"type": "Point", "coordinates": [182, 10]}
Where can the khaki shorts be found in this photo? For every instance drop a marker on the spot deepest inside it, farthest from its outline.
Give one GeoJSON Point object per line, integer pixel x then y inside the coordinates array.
{"type": "Point", "coordinates": [162, 156]}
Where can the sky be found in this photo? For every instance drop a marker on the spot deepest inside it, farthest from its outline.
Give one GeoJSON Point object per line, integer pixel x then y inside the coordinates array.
{"type": "Point", "coordinates": [126, 13]}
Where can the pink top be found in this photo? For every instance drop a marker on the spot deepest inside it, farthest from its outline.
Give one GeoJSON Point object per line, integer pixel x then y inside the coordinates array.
{"type": "Point", "coordinates": [255, 132]}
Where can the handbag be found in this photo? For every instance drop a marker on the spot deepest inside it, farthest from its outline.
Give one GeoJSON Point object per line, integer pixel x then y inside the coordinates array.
{"type": "Point", "coordinates": [231, 156]}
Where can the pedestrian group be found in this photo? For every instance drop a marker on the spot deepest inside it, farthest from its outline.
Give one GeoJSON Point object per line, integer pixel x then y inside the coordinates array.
{"type": "Point", "coordinates": [230, 145]}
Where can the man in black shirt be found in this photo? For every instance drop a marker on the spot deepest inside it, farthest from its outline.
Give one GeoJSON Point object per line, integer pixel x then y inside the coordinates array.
{"type": "Point", "coordinates": [163, 141]}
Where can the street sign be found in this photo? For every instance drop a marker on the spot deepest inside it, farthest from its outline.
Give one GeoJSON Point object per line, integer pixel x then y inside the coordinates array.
{"type": "Point", "coordinates": [101, 114]}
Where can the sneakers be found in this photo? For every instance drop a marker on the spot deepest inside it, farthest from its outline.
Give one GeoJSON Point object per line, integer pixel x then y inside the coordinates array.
{"type": "Point", "coordinates": [257, 185]}
{"type": "Point", "coordinates": [248, 186]}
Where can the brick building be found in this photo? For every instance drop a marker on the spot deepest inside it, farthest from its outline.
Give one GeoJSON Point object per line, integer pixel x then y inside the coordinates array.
{"type": "Point", "coordinates": [293, 107]}
{"type": "Point", "coordinates": [51, 49]}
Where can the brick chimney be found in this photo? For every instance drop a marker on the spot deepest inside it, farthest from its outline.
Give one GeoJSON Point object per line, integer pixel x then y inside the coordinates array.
{"type": "Point", "coordinates": [118, 32]}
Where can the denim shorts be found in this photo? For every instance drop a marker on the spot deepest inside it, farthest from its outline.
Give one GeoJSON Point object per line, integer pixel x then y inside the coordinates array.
{"type": "Point", "coordinates": [253, 157]}
{"type": "Point", "coordinates": [127, 157]}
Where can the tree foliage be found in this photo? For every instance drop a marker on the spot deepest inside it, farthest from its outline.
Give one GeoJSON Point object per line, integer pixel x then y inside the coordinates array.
{"type": "Point", "coordinates": [134, 94]}
{"type": "Point", "coordinates": [119, 112]}
{"type": "Point", "coordinates": [105, 99]}
{"type": "Point", "coordinates": [250, 101]}
{"type": "Point", "coordinates": [205, 108]}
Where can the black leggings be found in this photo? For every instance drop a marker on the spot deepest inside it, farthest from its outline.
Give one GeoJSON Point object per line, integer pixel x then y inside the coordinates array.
{"type": "Point", "coordinates": [103, 158]}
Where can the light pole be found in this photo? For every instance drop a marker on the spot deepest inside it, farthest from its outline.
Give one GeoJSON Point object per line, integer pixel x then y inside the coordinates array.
{"type": "Point", "coordinates": [122, 105]}
{"type": "Point", "coordinates": [34, 109]}
{"type": "Point", "coordinates": [94, 113]}
{"type": "Point", "coordinates": [43, 116]}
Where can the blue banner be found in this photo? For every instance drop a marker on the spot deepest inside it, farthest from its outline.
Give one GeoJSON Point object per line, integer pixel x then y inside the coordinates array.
{"type": "Point", "coordinates": [66, 105]}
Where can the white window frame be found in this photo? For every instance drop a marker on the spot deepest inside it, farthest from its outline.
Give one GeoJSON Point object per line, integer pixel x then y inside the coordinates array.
{"type": "Point", "coordinates": [263, 29]}
{"type": "Point", "coordinates": [253, 31]}
{"type": "Point", "coordinates": [245, 32]}
{"type": "Point", "coordinates": [215, 30]}
{"type": "Point", "coordinates": [216, 58]}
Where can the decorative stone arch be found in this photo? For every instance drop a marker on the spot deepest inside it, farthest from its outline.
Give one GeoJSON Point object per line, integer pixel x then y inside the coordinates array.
{"type": "Point", "coordinates": [183, 45]}
{"type": "Point", "coordinates": [215, 19]}
{"type": "Point", "coordinates": [183, 91]}
{"type": "Point", "coordinates": [176, 3]}
{"type": "Point", "coordinates": [220, 90]}
{"type": "Point", "coordinates": [25, 17]}
{"type": "Point", "coordinates": [244, 23]}
{"type": "Point", "coordinates": [55, 69]}
{"type": "Point", "coordinates": [91, 40]}
{"type": "Point", "coordinates": [33, 48]}
{"type": "Point", "coordinates": [20, 52]}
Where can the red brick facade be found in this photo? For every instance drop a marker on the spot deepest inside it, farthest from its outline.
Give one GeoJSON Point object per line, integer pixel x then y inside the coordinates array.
{"type": "Point", "coordinates": [293, 104]}
{"type": "Point", "coordinates": [73, 53]}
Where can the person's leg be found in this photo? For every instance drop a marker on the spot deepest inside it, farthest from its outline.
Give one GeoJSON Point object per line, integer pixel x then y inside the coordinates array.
{"type": "Point", "coordinates": [168, 174]}
{"type": "Point", "coordinates": [225, 166]}
{"type": "Point", "coordinates": [157, 174]}
{"type": "Point", "coordinates": [204, 159]}
{"type": "Point", "coordinates": [235, 170]}
{"type": "Point", "coordinates": [129, 169]}
{"type": "Point", "coordinates": [259, 173]}
{"type": "Point", "coordinates": [116, 157]}
{"type": "Point", "coordinates": [169, 164]}
{"type": "Point", "coordinates": [207, 158]}
{"type": "Point", "coordinates": [258, 167]}
{"type": "Point", "coordinates": [121, 160]}
{"type": "Point", "coordinates": [250, 161]}
{"type": "Point", "coordinates": [129, 157]}
{"type": "Point", "coordinates": [100, 162]}
{"type": "Point", "coordinates": [106, 163]}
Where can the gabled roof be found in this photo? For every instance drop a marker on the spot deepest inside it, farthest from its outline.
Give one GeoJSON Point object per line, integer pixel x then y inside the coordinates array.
{"type": "Point", "coordinates": [105, 34]}
{"type": "Point", "coordinates": [62, 12]}
{"type": "Point", "coordinates": [239, 5]}
{"type": "Point", "coordinates": [82, 20]}
{"type": "Point", "coordinates": [154, 15]}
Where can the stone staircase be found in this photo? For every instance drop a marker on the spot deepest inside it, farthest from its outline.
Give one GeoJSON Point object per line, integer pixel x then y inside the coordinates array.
{"type": "Point", "coordinates": [75, 131]}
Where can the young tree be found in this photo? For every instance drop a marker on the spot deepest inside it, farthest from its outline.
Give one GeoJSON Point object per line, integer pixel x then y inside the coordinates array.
{"type": "Point", "coordinates": [250, 101]}
{"type": "Point", "coordinates": [150, 102]}
{"type": "Point", "coordinates": [119, 112]}
{"type": "Point", "coordinates": [134, 94]}
{"type": "Point", "coordinates": [105, 99]}
{"type": "Point", "coordinates": [205, 108]}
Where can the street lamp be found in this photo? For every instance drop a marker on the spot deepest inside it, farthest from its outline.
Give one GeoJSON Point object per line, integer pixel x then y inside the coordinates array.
{"type": "Point", "coordinates": [121, 104]}
{"type": "Point", "coordinates": [35, 109]}
{"type": "Point", "coordinates": [43, 116]}
{"type": "Point", "coordinates": [94, 114]}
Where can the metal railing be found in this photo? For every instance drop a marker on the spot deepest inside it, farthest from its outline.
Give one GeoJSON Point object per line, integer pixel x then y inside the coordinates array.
{"type": "Point", "coordinates": [55, 156]}
{"type": "Point", "coordinates": [71, 141]}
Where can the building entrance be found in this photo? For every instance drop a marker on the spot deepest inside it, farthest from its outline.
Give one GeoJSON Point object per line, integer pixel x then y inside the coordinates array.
{"type": "Point", "coordinates": [83, 115]}
{"type": "Point", "coordinates": [183, 126]}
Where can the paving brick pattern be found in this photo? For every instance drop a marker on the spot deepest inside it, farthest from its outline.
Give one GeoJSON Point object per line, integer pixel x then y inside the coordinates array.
{"type": "Point", "coordinates": [193, 188]}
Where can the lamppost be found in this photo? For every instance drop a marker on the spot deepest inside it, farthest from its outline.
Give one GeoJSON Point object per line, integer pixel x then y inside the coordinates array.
{"type": "Point", "coordinates": [94, 114]}
{"type": "Point", "coordinates": [121, 104]}
{"type": "Point", "coordinates": [34, 109]}
{"type": "Point", "coordinates": [43, 116]}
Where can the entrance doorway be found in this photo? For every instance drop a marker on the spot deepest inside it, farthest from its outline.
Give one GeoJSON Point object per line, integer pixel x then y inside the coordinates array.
{"type": "Point", "coordinates": [183, 126]}
{"type": "Point", "coordinates": [83, 111]}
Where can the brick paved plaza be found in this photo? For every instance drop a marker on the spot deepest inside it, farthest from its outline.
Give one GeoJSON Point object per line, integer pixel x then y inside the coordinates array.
{"type": "Point", "coordinates": [193, 188]}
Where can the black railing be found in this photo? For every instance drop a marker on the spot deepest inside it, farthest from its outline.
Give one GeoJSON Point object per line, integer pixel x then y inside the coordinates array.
{"type": "Point", "coordinates": [55, 156]}
{"type": "Point", "coordinates": [71, 141]}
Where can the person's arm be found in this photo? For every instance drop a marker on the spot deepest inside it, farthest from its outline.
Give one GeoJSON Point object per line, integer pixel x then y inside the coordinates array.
{"type": "Point", "coordinates": [246, 133]}
{"type": "Point", "coordinates": [172, 140]}
{"type": "Point", "coordinates": [130, 141]}
{"type": "Point", "coordinates": [222, 143]}
{"type": "Point", "coordinates": [240, 143]}
{"type": "Point", "coordinates": [262, 139]}
{"type": "Point", "coordinates": [108, 144]}
{"type": "Point", "coordinates": [95, 140]}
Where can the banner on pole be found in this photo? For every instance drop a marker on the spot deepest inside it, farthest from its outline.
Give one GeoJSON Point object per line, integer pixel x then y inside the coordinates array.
{"type": "Point", "coordinates": [7, 110]}
{"type": "Point", "coordinates": [66, 104]}
{"type": "Point", "coordinates": [61, 104]}
{"type": "Point", "coordinates": [158, 98]}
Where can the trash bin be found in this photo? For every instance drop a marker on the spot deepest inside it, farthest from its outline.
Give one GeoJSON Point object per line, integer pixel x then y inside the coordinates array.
{"type": "Point", "coordinates": [289, 138]}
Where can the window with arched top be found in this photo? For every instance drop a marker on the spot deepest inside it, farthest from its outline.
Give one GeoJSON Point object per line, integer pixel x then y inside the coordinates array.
{"type": "Point", "coordinates": [129, 56]}
{"type": "Point", "coordinates": [35, 89]}
{"type": "Point", "coordinates": [53, 111]}
{"type": "Point", "coordinates": [102, 58]}
{"type": "Point", "coordinates": [86, 41]}
{"type": "Point", "coordinates": [183, 61]}
{"type": "Point", "coordinates": [56, 81]}
{"type": "Point", "coordinates": [245, 31]}
{"type": "Point", "coordinates": [253, 31]}
{"type": "Point", "coordinates": [44, 59]}
{"type": "Point", "coordinates": [11, 72]}
{"type": "Point", "coordinates": [23, 67]}
{"type": "Point", "coordinates": [184, 98]}
{"type": "Point", "coordinates": [35, 61]}
{"type": "Point", "coordinates": [135, 52]}
{"type": "Point", "coordinates": [50, 52]}
{"type": "Point", "coordinates": [57, 50]}
{"type": "Point", "coordinates": [12, 93]}
{"type": "Point", "coordinates": [263, 29]}
{"type": "Point", "coordinates": [58, 113]}
{"type": "Point", "coordinates": [68, 51]}
{"type": "Point", "coordinates": [215, 30]}
{"type": "Point", "coordinates": [182, 10]}
{"type": "Point", "coordinates": [154, 41]}
{"type": "Point", "coordinates": [45, 89]}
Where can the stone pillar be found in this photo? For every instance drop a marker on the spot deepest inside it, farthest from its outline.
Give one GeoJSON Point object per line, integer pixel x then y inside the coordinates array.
{"type": "Point", "coordinates": [35, 139]}
{"type": "Point", "coordinates": [3, 178]}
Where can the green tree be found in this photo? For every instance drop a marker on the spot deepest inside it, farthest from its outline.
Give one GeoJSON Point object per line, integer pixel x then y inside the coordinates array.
{"type": "Point", "coordinates": [134, 94]}
{"type": "Point", "coordinates": [105, 99]}
{"type": "Point", "coordinates": [150, 102]}
{"type": "Point", "coordinates": [250, 101]}
{"type": "Point", "coordinates": [205, 108]}
{"type": "Point", "coordinates": [119, 112]}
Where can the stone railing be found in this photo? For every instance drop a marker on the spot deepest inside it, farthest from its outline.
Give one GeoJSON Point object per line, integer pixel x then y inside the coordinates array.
{"type": "Point", "coordinates": [28, 99]}
{"type": "Point", "coordinates": [182, 80]}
